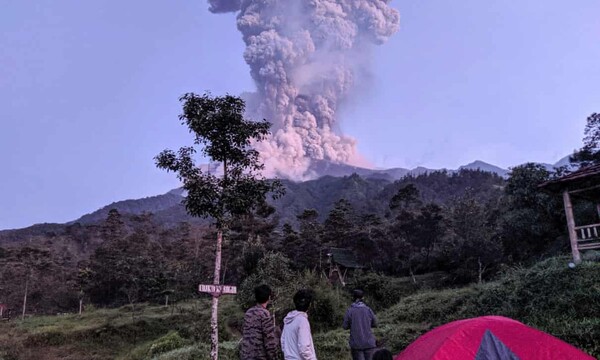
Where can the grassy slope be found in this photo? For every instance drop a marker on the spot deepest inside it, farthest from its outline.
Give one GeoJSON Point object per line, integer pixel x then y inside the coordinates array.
{"type": "Point", "coordinates": [549, 296]}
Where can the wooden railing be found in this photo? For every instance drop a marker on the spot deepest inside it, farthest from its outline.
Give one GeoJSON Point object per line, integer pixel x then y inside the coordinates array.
{"type": "Point", "coordinates": [588, 237]}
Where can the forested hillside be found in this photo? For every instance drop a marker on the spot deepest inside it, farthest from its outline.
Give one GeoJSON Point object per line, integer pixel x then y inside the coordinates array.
{"type": "Point", "coordinates": [466, 224]}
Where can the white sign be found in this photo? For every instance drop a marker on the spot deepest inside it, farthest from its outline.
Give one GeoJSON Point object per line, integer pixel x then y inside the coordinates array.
{"type": "Point", "coordinates": [217, 290]}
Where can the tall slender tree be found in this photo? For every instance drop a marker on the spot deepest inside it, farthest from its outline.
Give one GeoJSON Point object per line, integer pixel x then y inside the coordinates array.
{"type": "Point", "coordinates": [589, 154]}
{"type": "Point", "coordinates": [225, 137]}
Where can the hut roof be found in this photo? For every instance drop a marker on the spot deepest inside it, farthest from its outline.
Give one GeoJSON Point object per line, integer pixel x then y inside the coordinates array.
{"type": "Point", "coordinates": [344, 257]}
{"type": "Point", "coordinates": [586, 179]}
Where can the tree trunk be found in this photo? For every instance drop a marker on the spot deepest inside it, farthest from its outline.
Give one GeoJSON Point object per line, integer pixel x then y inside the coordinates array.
{"type": "Point", "coordinates": [25, 298]}
{"type": "Point", "coordinates": [214, 325]}
{"type": "Point", "coordinates": [80, 306]}
{"type": "Point", "coordinates": [412, 275]}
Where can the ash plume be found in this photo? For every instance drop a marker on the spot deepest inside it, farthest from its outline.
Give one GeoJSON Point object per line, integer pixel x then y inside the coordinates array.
{"type": "Point", "coordinates": [304, 57]}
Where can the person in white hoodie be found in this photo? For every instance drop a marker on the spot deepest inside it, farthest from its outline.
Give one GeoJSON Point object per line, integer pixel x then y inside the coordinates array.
{"type": "Point", "coordinates": [296, 339]}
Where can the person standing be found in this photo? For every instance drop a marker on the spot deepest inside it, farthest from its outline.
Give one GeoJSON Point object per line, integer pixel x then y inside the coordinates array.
{"type": "Point", "coordinates": [296, 338]}
{"type": "Point", "coordinates": [259, 341]}
{"type": "Point", "coordinates": [359, 319]}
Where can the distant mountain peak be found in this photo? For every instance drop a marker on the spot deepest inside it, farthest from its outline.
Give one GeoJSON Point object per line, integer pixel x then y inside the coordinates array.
{"type": "Point", "coordinates": [178, 192]}
{"type": "Point", "coordinates": [483, 166]}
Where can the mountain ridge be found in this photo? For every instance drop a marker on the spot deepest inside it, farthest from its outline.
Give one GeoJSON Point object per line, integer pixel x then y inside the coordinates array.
{"type": "Point", "coordinates": [168, 209]}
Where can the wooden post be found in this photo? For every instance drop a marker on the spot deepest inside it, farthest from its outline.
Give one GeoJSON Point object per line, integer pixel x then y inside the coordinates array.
{"type": "Point", "coordinates": [214, 323]}
{"type": "Point", "coordinates": [571, 226]}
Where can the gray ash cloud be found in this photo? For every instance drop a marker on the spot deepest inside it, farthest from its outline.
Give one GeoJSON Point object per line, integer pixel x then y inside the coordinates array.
{"type": "Point", "coordinates": [304, 56]}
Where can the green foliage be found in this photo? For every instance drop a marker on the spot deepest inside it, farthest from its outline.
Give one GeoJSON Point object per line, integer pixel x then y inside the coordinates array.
{"type": "Point", "coordinates": [590, 152]}
{"type": "Point", "coordinates": [399, 335]}
{"type": "Point", "coordinates": [218, 125]}
{"type": "Point", "coordinates": [471, 249]}
{"type": "Point", "coordinates": [332, 345]}
{"type": "Point", "coordinates": [436, 307]}
{"type": "Point", "coordinates": [329, 303]}
{"type": "Point", "coordinates": [227, 351]}
{"type": "Point", "coordinates": [549, 296]}
{"type": "Point", "coordinates": [406, 196]}
{"type": "Point", "coordinates": [581, 333]}
{"type": "Point", "coordinates": [169, 342]}
{"type": "Point", "coordinates": [274, 270]}
{"type": "Point", "coordinates": [441, 187]}
{"type": "Point", "coordinates": [125, 270]}
{"type": "Point", "coordinates": [382, 291]}
{"type": "Point", "coordinates": [529, 218]}
{"type": "Point", "coordinates": [553, 289]}
{"type": "Point", "coordinates": [339, 226]}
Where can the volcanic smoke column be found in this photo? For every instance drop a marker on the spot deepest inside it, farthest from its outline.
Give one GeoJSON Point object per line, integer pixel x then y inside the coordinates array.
{"type": "Point", "coordinates": [304, 56]}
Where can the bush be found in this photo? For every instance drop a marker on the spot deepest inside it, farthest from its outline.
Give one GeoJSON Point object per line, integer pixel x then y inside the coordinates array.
{"type": "Point", "coordinates": [166, 343]}
{"type": "Point", "coordinates": [273, 270]}
{"type": "Point", "coordinates": [197, 320]}
{"type": "Point", "coordinates": [329, 303]}
{"type": "Point", "coordinates": [549, 296]}
{"type": "Point", "coordinates": [382, 291]}
{"type": "Point", "coordinates": [434, 307]}
{"type": "Point", "coordinates": [227, 351]}
{"type": "Point", "coordinates": [396, 337]}
{"type": "Point", "coordinates": [332, 345]}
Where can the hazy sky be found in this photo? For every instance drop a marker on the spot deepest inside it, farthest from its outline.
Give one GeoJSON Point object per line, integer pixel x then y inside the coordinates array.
{"type": "Point", "coordinates": [89, 89]}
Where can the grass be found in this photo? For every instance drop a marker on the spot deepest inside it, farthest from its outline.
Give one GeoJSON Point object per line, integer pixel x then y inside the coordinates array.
{"type": "Point", "coordinates": [549, 296]}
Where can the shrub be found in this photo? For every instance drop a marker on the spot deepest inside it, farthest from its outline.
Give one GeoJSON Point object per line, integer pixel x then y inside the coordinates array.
{"type": "Point", "coordinates": [273, 270]}
{"type": "Point", "coordinates": [549, 296]}
{"type": "Point", "coordinates": [329, 303]}
{"type": "Point", "coordinates": [166, 343]}
{"type": "Point", "coordinates": [382, 291]}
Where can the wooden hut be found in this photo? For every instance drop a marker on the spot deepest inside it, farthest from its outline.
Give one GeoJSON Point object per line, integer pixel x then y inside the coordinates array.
{"type": "Point", "coordinates": [585, 184]}
{"type": "Point", "coordinates": [341, 263]}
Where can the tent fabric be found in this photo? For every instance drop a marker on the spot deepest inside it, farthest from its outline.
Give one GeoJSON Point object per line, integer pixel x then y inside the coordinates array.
{"type": "Point", "coordinates": [491, 348]}
{"type": "Point", "coordinates": [479, 338]}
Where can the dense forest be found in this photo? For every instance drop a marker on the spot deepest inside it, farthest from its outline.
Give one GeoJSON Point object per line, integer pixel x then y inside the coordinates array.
{"type": "Point", "coordinates": [467, 225]}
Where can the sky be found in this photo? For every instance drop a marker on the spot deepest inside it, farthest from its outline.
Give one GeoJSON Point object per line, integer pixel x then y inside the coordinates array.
{"type": "Point", "coordinates": [89, 92]}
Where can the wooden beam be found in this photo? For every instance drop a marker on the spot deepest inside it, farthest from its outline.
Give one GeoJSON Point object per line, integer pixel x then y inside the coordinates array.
{"type": "Point", "coordinates": [589, 246]}
{"type": "Point", "coordinates": [571, 226]}
{"type": "Point", "coordinates": [584, 189]}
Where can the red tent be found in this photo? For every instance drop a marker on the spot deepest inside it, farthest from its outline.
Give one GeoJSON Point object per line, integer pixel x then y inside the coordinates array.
{"type": "Point", "coordinates": [489, 338]}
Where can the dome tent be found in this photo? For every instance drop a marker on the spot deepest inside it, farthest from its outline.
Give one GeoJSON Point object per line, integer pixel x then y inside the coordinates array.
{"type": "Point", "coordinates": [489, 338]}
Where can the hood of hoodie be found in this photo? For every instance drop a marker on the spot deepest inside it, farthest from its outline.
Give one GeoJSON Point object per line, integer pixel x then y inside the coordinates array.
{"type": "Point", "coordinates": [292, 315]}
{"type": "Point", "coordinates": [358, 304]}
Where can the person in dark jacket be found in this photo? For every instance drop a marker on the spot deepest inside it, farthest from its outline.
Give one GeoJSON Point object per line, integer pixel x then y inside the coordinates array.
{"type": "Point", "coordinates": [360, 319]}
{"type": "Point", "coordinates": [259, 341]}
{"type": "Point", "coordinates": [382, 354]}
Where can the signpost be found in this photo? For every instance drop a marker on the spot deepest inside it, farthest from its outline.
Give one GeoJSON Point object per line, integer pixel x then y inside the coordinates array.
{"type": "Point", "coordinates": [218, 290]}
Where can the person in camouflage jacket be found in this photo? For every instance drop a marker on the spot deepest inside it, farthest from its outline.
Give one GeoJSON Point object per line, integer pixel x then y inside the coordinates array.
{"type": "Point", "coordinates": [259, 341]}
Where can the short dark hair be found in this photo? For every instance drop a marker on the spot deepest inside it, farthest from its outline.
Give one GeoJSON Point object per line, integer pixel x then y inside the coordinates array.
{"type": "Point", "coordinates": [382, 354]}
{"type": "Point", "coordinates": [302, 299]}
{"type": "Point", "coordinates": [357, 294]}
{"type": "Point", "coordinates": [262, 293]}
